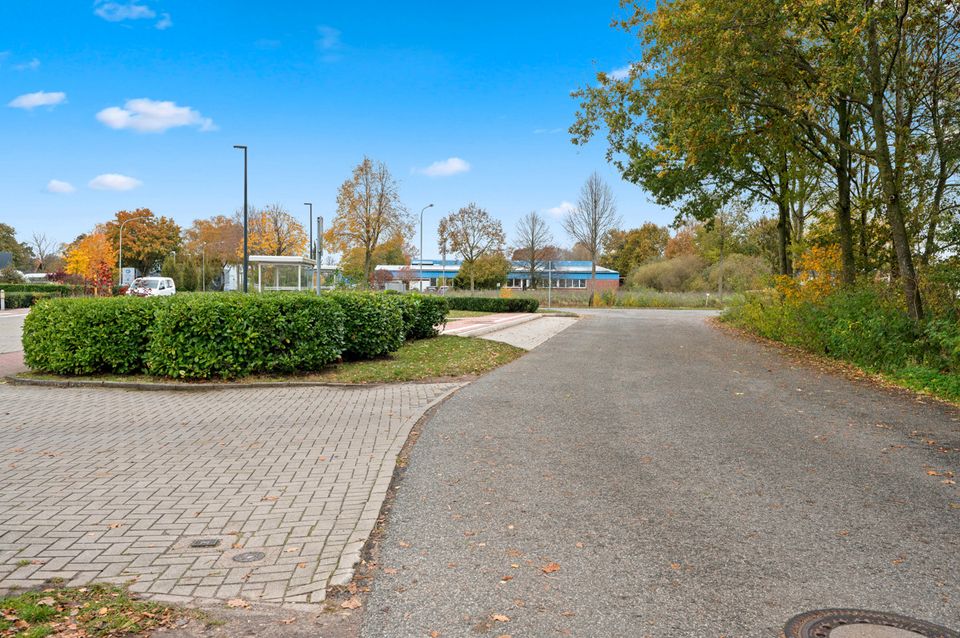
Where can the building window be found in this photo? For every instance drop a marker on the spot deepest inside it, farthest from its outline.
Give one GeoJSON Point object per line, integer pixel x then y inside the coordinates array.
{"type": "Point", "coordinates": [570, 283]}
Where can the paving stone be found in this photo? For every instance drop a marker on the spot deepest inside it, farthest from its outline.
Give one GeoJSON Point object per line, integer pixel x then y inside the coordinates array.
{"type": "Point", "coordinates": [103, 485]}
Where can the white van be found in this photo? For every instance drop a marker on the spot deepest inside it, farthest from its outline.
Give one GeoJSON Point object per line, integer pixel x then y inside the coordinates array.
{"type": "Point", "coordinates": [152, 287]}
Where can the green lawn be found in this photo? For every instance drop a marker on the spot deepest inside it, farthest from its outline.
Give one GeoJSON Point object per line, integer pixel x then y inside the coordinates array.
{"type": "Point", "coordinates": [440, 357]}
{"type": "Point", "coordinates": [97, 610]}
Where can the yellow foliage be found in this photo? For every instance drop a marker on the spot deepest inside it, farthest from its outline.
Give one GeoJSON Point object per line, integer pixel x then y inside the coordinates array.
{"type": "Point", "coordinates": [817, 275]}
{"type": "Point", "coordinates": [89, 255]}
{"type": "Point", "coordinates": [506, 293]}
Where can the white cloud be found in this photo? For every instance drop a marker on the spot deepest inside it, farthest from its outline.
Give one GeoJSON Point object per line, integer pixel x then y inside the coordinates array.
{"type": "Point", "coordinates": [561, 210]}
{"type": "Point", "coordinates": [165, 22]}
{"type": "Point", "coordinates": [120, 11]}
{"type": "Point", "coordinates": [152, 116]}
{"type": "Point", "coordinates": [446, 168]}
{"type": "Point", "coordinates": [32, 65]}
{"type": "Point", "coordinates": [114, 182]}
{"type": "Point", "coordinates": [329, 37]}
{"type": "Point", "coordinates": [622, 73]}
{"type": "Point", "coordinates": [40, 98]}
{"type": "Point", "coordinates": [57, 186]}
{"type": "Point", "coordinates": [547, 131]}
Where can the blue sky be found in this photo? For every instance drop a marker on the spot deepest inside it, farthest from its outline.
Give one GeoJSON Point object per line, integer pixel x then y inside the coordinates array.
{"type": "Point", "coordinates": [138, 103]}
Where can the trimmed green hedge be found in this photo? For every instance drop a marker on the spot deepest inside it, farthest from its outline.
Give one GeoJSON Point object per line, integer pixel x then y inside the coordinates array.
{"type": "Point", "coordinates": [25, 299]}
{"type": "Point", "coordinates": [423, 316]}
{"type": "Point", "coordinates": [88, 336]}
{"type": "Point", "coordinates": [60, 290]}
{"type": "Point", "coordinates": [493, 304]}
{"type": "Point", "coordinates": [203, 336]}
{"type": "Point", "coordinates": [200, 336]}
{"type": "Point", "coordinates": [373, 323]}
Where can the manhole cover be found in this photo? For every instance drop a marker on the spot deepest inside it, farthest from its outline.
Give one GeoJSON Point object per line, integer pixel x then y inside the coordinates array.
{"type": "Point", "coordinates": [857, 623]}
{"type": "Point", "coordinates": [205, 542]}
{"type": "Point", "coordinates": [249, 557]}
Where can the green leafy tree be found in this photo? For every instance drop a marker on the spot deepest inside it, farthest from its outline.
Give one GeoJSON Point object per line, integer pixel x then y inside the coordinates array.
{"type": "Point", "coordinates": [486, 272]}
{"type": "Point", "coordinates": [471, 232]}
{"type": "Point", "coordinates": [624, 250]}
{"type": "Point", "coordinates": [21, 255]}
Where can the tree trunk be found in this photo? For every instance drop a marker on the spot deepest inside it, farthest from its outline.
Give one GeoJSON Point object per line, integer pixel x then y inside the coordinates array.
{"type": "Point", "coordinates": [889, 182]}
{"type": "Point", "coordinates": [783, 237]}
{"type": "Point", "coordinates": [844, 223]}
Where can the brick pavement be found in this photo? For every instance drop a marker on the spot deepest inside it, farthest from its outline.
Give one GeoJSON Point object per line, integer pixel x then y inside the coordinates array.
{"type": "Point", "coordinates": [113, 485]}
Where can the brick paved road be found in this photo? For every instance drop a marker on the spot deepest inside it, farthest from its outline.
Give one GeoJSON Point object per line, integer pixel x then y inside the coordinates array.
{"type": "Point", "coordinates": [112, 485]}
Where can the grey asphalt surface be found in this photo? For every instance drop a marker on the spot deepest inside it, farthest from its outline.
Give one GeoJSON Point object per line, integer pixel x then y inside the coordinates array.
{"type": "Point", "coordinates": [11, 327]}
{"type": "Point", "coordinates": [687, 483]}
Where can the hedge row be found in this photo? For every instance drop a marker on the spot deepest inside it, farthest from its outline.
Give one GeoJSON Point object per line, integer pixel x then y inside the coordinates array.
{"type": "Point", "coordinates": [60, 290]}
{"type": "Point", "coordinates": [224, 335]}
{"type": "Point", "coordinates": [493, 304]}
{"type": "Point", "coordinates": [25, 299]}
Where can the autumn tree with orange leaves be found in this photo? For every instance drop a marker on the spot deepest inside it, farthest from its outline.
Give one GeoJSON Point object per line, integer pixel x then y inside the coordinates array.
{"type": "Point", "coordinates": [90, 257]}
{"type": "Point", "coordinates": [273, 231]}
{"type": "Point", "coordinates": [147, 239]}
{"type": "Point", "coordinates": [369, 212]}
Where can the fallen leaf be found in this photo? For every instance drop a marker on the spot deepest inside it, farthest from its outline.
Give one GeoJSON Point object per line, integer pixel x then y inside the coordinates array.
{"type": "Point", "coordinates": [390, 570]}
{"type": "Point", "coordinates": [674, 565]}
{"type": "Point", "coordinates": [404, 544]}
{"type": "Point", "coordinates": [506, 578]}
{"type": "Point", "coordinates": [500, 618]}
{"type": "Point", "coordinates": [568, 613]}
{"type": "Point", "coordinates": [550, 568]}
{"type": "Point", "coordinates": [115, 525]}
{"type": "Point", "coordinates": [579, 545]}
{"type": "Point", "coordinates": [237, 603]}
{"type": "Point", "coordinates": [269, 498]}
{"type": "Point", "coordinates": [47, 601]}
{"type": "Point", "coordinates": [301, 565]}
{"type": "Point", "coordinates": [899, 559]}
{"type": "Point", "coordinates": [434, 634]}
{"type": "Point", "coordinates": [352, 603]}
{"type": "Point", "coordinates": [103, 611]}
{"type": "Point", "coordinates": [287, 621]}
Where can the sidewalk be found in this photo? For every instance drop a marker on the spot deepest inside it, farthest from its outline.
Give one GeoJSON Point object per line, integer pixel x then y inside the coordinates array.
{"type": "Point", "coordinates": [476, 326]}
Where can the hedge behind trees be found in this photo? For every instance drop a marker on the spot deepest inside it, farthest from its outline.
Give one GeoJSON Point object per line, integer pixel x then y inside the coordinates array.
{"type": "Point", "coordinates": [60, 290]}
{"type": "Point", "coordinates": [493, 304]}
{"type": "Point", "coordinates": [25, 299]}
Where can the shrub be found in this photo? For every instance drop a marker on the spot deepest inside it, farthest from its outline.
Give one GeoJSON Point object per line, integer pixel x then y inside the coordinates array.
{"type": "Point", "coordinates": [87, 336]}
{"type": "Point", "coordinates": [668, 274]}
{"type": "Point", "coordinates": [25, 299]}
{"type": "Point", "coordinates": [422, 315]}
{"type": "Point", "coordinates": [233, 335]}
{"type": "Point", "coordinates": [61, 290]}
{"type": "Point", "coordinates": [373, 323]}
{"type": "Point", "coordinates": [493, 304]}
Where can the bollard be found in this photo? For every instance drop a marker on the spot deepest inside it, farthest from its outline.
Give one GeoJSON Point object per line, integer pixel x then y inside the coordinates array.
{"type": "Point", "coordinates": [3, 299]}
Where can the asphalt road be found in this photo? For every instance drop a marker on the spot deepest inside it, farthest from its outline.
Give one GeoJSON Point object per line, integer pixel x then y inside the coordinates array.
{"type": "Point", "coordinates": [645, 474]}
{"type": "Point", "coordinates": [11, 327]}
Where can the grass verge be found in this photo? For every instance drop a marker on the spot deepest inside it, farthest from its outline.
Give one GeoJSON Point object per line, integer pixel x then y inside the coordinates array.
{"type": "Point", "coordinates": [437, 358]}
{"type": "Point", "coordinates": [443, 357]}
{"type": "Point", "coordinates": [98, 610]}
{"type": "Point", "coordinates": [464, 314]}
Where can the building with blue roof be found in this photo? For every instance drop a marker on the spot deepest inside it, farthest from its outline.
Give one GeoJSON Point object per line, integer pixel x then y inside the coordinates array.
{"type": "Point", "coordinates": [562, 275]}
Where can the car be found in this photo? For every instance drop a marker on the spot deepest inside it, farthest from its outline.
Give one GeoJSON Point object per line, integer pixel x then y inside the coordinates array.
{"type": "Point", "coordinates": [152, 287]}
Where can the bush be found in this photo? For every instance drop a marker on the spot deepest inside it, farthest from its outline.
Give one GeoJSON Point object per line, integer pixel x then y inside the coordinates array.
{"type": "Point", "coordinates": [87, 336]}
{"type": "Point", "coordinates": [422, 315]}
{"type": "Point", "coordinates": [233, 335]}
{"type": "Point", "coordinates": [493, 304]}
{"type": "Point", "coordinates": [25, 299]}
{"type": "Point", "coordinates": [672, 275]}
{"type": "Point", "coordinates": [61, 290]}
{"type": "Point", "coordinates": [373, 323]}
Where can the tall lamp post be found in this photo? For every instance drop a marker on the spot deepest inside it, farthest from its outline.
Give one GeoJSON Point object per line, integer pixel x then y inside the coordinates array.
{"type": "Point", "coordinates": [420, 283]}
{"type": "Point", "coordinates": [203, 265]}
{"type": "Point", "coordinates": [246, 251]}
{"type": "Point", "coordinates": [310, 252]}
{"type": "Point", "coordinates": [319, 248]}
{"type": "Point", "coordinates": [122, 224]}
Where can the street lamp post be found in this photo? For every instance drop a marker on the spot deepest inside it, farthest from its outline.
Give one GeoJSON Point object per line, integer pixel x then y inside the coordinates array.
{"type": "Point", "coordinates": [420, 282]}
{"type": "Point", "coordinates": [246, 251]}
{"type": "Point", "coordinates": [203, 266]}
{"type": "Point", "coordinates": [122, 224]}
{"type": "Point", "coordinates": [319, 249]}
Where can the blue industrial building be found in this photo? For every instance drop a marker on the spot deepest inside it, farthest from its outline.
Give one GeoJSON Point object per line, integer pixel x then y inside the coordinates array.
{"type": "Point", "coordinates": [572, 275]}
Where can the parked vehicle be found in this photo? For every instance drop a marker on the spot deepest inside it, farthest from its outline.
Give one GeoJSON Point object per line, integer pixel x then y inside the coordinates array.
{"type": "Point", "coordinates": [152, 287]}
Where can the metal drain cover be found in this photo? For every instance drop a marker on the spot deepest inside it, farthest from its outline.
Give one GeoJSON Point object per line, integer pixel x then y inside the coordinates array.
{"type": "Point", "coordinates": [249, 557]}
{"type": "Point", "coordinates": [858, 623]}
{"type": "Point", "coordinates": [205, 542]}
